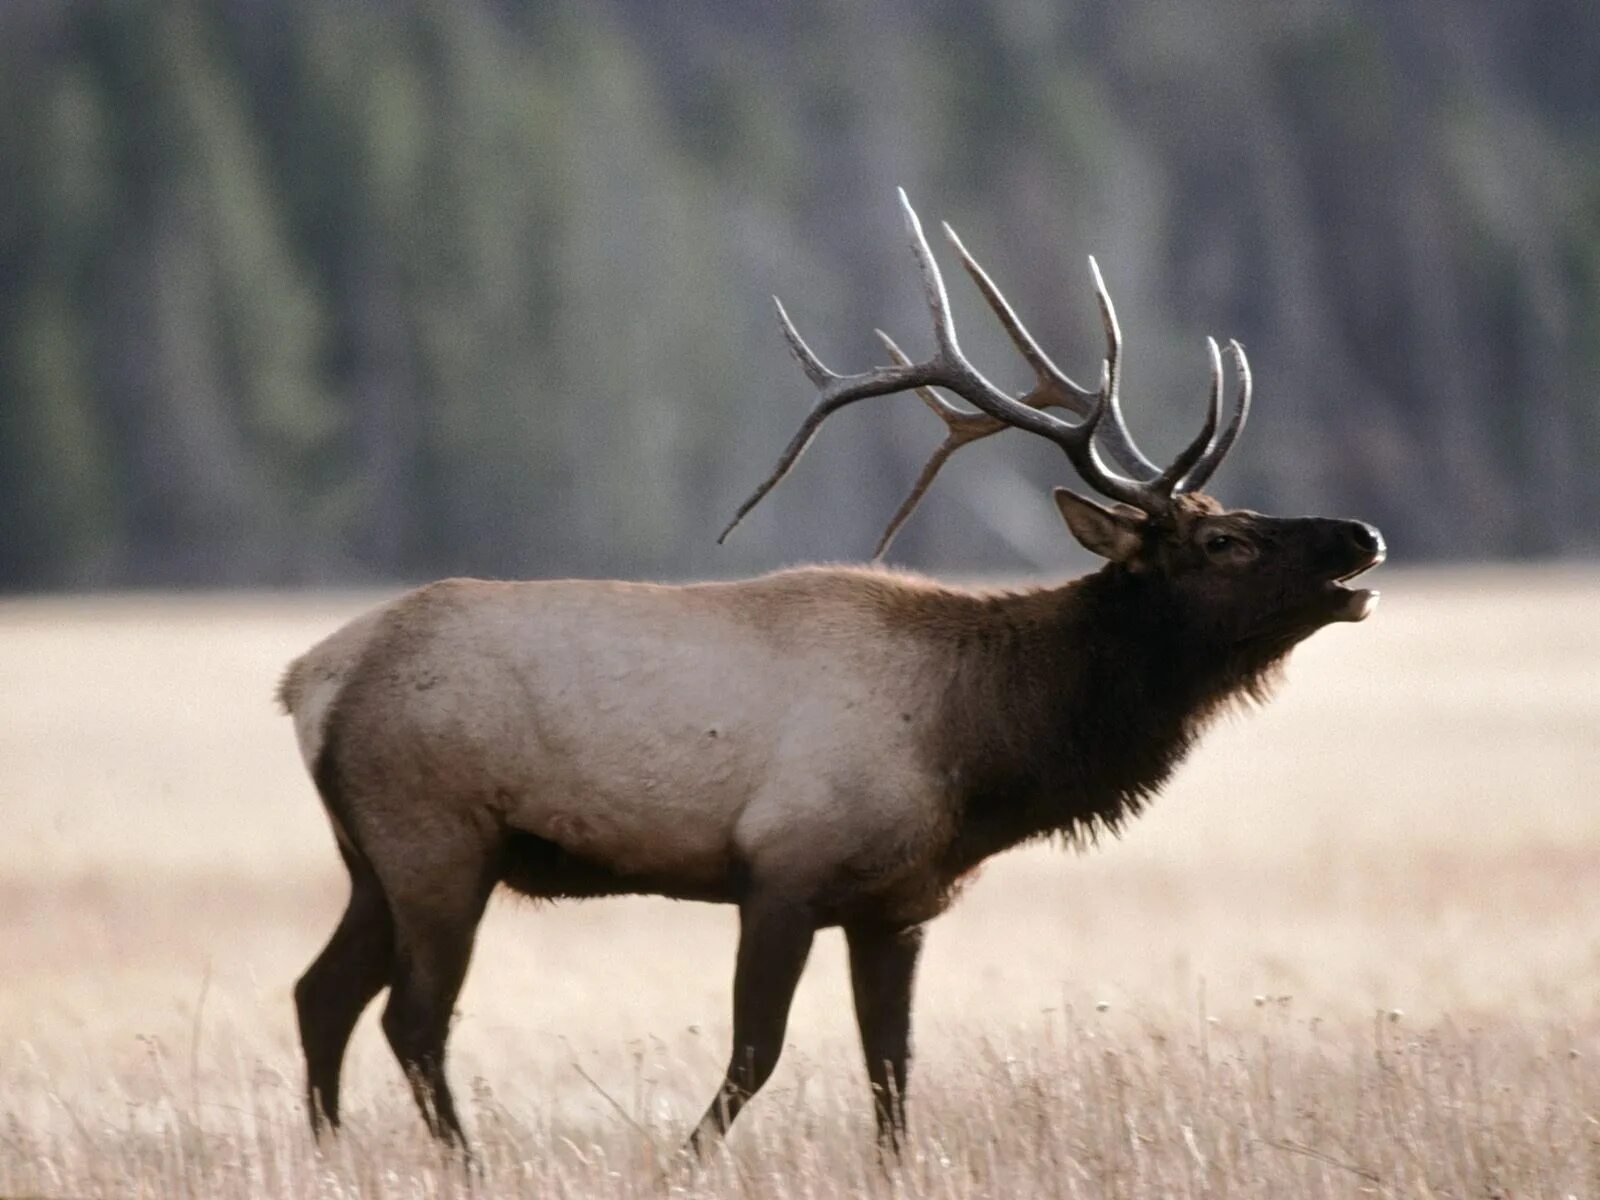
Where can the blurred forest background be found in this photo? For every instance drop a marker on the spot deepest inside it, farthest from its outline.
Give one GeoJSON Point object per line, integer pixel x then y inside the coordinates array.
{"type": "Point", "coordinates": [311, 291]}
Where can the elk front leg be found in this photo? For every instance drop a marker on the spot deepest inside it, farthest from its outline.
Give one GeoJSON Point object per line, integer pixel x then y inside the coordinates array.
{"type": "Point", "coordinates": [774, 941]}
{"type": "Point", "coordinates": [883, 967]}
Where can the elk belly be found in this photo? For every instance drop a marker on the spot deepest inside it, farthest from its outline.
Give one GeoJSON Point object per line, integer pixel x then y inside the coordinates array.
{"type": "Point", "coordinates": [636, 792]}
{"type": "Point", "coordinates": [633, 835]}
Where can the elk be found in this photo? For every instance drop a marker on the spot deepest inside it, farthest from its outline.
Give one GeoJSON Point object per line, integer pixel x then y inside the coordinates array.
{"type": "Point", "coordinates": [824, 746]}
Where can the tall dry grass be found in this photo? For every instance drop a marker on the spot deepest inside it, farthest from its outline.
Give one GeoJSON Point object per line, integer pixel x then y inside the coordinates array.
{"type": "Point", "coordinates": [1351, 952]}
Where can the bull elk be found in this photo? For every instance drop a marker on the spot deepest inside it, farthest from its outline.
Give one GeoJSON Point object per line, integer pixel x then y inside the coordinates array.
{"type": "Point", "coordinates": [827, 746]}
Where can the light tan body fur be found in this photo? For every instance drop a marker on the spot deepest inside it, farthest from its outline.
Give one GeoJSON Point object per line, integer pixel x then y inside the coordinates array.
{"type": "Point", "coordinates": [663, 733]}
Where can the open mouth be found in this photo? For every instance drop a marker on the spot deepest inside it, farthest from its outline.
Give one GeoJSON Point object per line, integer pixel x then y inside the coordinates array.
{"type": "Point", "coordinates": [1355, 604]}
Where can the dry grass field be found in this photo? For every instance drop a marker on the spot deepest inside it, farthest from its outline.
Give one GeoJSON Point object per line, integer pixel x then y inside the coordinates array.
{"type": "Point", "coordinates": [1353, 951]}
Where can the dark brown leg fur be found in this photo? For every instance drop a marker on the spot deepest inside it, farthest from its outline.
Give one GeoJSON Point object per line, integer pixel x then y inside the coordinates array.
{"type": "Point", "coordinates": [337, 987]}
{"type": "Point", "coordinates": [883, 965]}
{"type": "Point", "coordinates": [774, 941]}
{"type": "Point", "coordinates": [434, 933]}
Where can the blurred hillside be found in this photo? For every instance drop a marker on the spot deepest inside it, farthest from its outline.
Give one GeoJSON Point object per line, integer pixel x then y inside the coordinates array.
{"type": "Point", "coordinates": [299, 291]}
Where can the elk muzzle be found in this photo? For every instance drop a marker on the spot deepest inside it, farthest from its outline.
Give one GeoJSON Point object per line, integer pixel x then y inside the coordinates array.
{"type": "Point", "coordinates": [1347, 549]}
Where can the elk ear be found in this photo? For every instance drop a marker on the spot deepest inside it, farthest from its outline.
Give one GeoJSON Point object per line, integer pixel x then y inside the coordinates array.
{"type": "Point", "coordinates": [1114, 533]}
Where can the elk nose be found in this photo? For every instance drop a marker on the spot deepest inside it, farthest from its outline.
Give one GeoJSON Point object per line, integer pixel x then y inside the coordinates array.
{"type": "Point", "coordinates": [1365, 538]}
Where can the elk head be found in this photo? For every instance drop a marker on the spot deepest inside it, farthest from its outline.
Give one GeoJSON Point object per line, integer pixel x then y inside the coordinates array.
{"type": "Point", "coordinates": [1234, 580]}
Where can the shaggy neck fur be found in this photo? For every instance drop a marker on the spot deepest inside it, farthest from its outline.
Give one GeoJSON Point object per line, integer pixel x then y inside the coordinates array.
{"type": "Point", "coordinates": [1073, 705]}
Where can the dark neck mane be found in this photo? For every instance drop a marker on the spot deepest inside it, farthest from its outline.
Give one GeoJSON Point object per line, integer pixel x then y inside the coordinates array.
{"type": "Point", "coordinates": [1076, 705]}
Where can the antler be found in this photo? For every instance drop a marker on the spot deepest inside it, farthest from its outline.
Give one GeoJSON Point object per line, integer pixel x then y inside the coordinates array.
{"type": "Point", "coordinates": [1200, 474]}
{"type": "Point", "coordinates": [948, 368]}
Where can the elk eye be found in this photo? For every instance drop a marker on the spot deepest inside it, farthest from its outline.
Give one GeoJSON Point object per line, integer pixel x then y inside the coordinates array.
{"type": "Point", "coordinates": [1217, 543]}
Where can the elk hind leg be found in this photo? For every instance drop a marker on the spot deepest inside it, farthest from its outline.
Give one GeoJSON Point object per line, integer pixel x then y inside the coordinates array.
{"type": "Point", "coordinates": [434, 932]}
{"type": "Point", "coordinates": [331, 996]}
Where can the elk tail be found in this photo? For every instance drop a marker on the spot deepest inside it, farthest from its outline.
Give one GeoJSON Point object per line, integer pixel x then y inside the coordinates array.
{"type": "Point", "coordinates": [288, 690]}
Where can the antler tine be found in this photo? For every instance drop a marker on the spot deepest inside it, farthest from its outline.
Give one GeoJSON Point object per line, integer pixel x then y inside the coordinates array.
{"type": "Point", "coordinates": [1108, 321]}
{"type": "Point", "coordinates": [836, 391]}
{"type": "Point", "coordinates": [914, 497]}
{"type": "Point", "coordinates": [1079, 400]}
{"type": "Point", "coordinates": [1167, 482]}
{"type": "Point", "coordinates": [813, 366]}
{"type": "Point", "coordinates": [1200, 474]}
{"type": "Point", "coordinates": [944, 329]}
{"type": "Point", "coordinates": [1116, 434]}
{"type": "Point", "coordinates": [819, 375]}
{"type": "Point", "coordinates": [1052, 387]}
{"type": "Point", "coordinates": [964, 427]}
